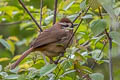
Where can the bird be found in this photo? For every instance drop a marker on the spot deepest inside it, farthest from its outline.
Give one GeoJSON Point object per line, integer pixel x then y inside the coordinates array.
{"type": "Point", "coordinates": [51, 42]}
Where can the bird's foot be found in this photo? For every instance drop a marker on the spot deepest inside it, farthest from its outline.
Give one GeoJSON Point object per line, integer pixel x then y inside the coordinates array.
{"type": "Point", "coordinates": [57, 61]}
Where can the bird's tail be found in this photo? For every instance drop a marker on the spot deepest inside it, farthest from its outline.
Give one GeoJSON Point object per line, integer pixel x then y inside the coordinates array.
{"type": "Point", "coordinates": [27, 52]}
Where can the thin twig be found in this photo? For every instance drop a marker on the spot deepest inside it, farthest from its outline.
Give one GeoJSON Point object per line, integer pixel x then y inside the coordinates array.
{"type": "Point", "coordinates": [55, 11]}
{"type": "Point", "coordinates": [110, 60]}
{"type": "Point", "coordinates": [110, 56]}
{"type": "Point", "coordinates": [76, 30]}
{"type": "Point", "coordinates": [41, 5]}
{"type": "Point", "coordinates": [72, 37]}
{"type": "Point", "coordinates": [77, 16]}
{"type": "Point", "coordinates": [30, 15]}
{"type": "Point", "coordinates": [100, 13]}
{"type": "Point", "coordinates": [110, 50]}
{"type": "Point", "coordinates": [93, 65]}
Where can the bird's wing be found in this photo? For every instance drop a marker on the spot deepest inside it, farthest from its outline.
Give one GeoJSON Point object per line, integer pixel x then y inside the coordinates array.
{"type": "Point", "coordinates": [49, 36]}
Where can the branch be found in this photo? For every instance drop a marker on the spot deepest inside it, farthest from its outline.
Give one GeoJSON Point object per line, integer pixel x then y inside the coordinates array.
{"type": "Point", "coordinates": [41, 5]}
{"type": "Point", "coordinates": [71, 39]}
{"type": "Point", "coordinates": [76, 29]}
{"type": "Point", "coordinates": [55, 10]}
{"type": "Point", "coordinates": [110, 56]}
{"type": "Point", "coordinates": [110, 60]}
{"type": "Point", "coordinates": [77, 16]}
{"type": "Point", "coordinates": [93, 65]}
{"type": "Point", "coordinates": [110, 50]}
{"type": "Point", "coordinates": [30, 15]}
{"type": "Point", "coordinates": [100, 13]}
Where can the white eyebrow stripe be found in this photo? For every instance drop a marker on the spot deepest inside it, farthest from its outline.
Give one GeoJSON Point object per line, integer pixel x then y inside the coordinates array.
{"type": "Point", "coordinates": [65, 23]}
{"type": "Point", "coordinates": [62, 23]}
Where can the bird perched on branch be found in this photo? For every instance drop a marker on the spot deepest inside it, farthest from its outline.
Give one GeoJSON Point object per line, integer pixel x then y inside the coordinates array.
{"type": "Point", "coordinates": [51, 42]}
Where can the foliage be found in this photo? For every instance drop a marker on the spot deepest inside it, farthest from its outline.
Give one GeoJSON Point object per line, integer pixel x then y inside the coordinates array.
{"type": "Point", "coordinates": [17, 30]}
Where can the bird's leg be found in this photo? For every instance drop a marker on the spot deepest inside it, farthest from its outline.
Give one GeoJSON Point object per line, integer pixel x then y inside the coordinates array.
{"type": "Point", "coordinates": [61, 55]}
{"type": "Point", "coordinates": [45, 59]}
{"type": "Point", "coordinates": [51, 60]}
{"type": "Point", "coordinates": [56, 62]}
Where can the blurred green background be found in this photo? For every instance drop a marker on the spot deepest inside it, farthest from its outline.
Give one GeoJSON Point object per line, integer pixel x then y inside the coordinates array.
{"type": "Point", "coordinates": [17, 30]}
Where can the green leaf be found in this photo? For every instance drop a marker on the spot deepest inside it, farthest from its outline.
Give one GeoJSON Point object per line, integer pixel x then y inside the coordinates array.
{"type": "Point", "coordinates": [48, 19]}
{"type": "Point", "coordinates": [87, 16]}
{"type": "Point", "coordinates": [99, 38]}
{"type": "Point", "coordinates": [83, 4]}
{"type": "Point", "coordinates": [1, 36]}
{"type": "Point", "coordinates": [38, 64]}
{"type": "Point", "coordinates": [96, 53]}
{"type": "Point", "coordinates": [97, 76]}
{"type": "Point", "coordinates": [12, 76]}
{"type": "Point", "coordinates": [66, 78]}
{"type": "Point", "coordinates": [21, 77]}
{"type": "Point", "coordinates": [69, 5]}
{"type": "Point", "coordinates": [79, 57]}
{"type": "Point", "coordinates": [5, 44]}
{"type": "Point", "coordinates": [108, 6]}
{"type": "Point", "coordinates": [67, 64]}
{"type": "Point", "coordinates": [115, 36]}
{"type": "Point", "coordinates": [8, 10]}
{"type": "Point", "coordinates": [86, 69]}
{"type": "Point", "coordinates": [68, 73]}
{"type": "Point", "coordinates": [94, 4]}
{"type": "Point", "coordinates": [0, 67]}
{"type": "Point", "coordinates": [47, 69]}
{"type": "Point", "coordinates": [33, 72]}
{"type": "Point", "coordinates": [100, 61]}
{"type": "Point", "coordinates": [98, 26]}
{"type": "Point", "coordinates": [3, 74]}
{"type": "Point", "coordinates": [16, 70]}
{"type": "Point", "coordinates": [12, 46]}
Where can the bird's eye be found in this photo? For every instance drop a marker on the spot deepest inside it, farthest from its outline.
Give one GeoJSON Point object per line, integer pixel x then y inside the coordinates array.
{"type": "Point", "coordinates": [66, 25]}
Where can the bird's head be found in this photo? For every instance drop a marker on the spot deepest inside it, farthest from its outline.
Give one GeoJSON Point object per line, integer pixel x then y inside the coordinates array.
{"type": "Point", "coordinates": [66, 23]}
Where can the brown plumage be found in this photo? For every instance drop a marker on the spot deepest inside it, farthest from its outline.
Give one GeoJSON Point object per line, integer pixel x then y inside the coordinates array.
{"type": "Point", "coordinates": [50, 42]}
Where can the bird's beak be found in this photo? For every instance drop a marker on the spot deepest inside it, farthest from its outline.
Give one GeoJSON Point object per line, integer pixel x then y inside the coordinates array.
{"type": "Point", "coordinates": [74, 25]}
